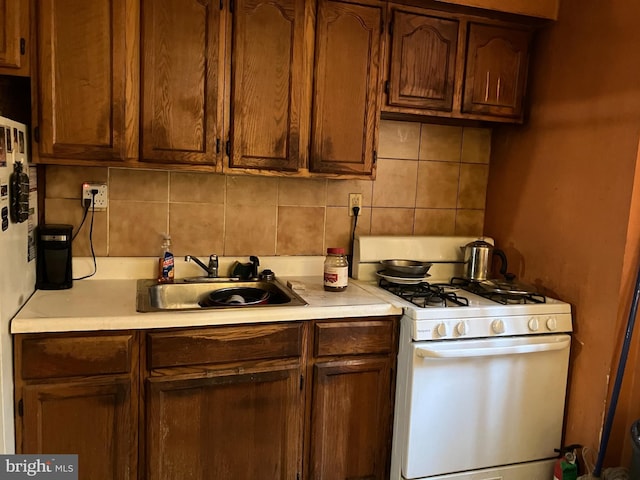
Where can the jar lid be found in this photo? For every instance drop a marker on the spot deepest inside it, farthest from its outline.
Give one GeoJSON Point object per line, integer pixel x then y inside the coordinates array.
{"type": "Point", "coordinates": [336, 250]}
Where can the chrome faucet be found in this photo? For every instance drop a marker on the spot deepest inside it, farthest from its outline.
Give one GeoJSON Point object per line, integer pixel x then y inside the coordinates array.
{"type": "Point", "coordinates": [211, 269]}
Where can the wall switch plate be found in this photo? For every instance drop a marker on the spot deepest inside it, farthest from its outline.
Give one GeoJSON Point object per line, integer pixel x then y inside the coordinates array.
{"type": "Point", "coordinates": [101, 200]}
{"type": "Point", "coordinates": [355, 200]}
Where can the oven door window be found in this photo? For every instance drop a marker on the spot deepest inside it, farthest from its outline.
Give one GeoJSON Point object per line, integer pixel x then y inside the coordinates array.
{"type": "Point", "coordinates": [474, 404]}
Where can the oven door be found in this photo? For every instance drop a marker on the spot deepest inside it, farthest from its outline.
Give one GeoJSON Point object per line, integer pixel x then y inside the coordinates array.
{"type": "Point", "coordinates": [474, 404]}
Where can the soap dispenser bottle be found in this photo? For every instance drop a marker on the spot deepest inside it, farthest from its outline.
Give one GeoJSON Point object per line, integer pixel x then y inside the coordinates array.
{"type": "Point", "coordinates": [166, 262]}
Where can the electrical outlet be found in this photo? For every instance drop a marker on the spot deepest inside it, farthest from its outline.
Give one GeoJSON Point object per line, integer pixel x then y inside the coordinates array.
{"type": "Point", "coordinates": [355, 200]}
{"type": "Point", "coordinates": [100, 197]}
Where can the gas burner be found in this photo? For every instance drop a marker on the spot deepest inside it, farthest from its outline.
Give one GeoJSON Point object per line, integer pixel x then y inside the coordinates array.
{"type": "Point", "coordinates": [507, 299]}
{"type": "Point", "coordinates": [503, 298]}
{"type": "Point", "coordinates": [425, 295]}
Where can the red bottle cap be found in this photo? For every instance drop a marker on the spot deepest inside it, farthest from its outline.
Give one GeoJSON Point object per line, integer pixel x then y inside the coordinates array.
{"type": "Point", "coordinates": [336, 250]}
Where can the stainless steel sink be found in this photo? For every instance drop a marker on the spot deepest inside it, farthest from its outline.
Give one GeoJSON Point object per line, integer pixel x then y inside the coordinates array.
{"type": "Point", "coordinates": [213, 294]}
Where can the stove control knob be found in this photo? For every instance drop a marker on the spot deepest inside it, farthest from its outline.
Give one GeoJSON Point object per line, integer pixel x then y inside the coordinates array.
{"type": "Point", "coordinates": [497, 326]}
{"type": "Point", "coordinates": [533, 324]}
{"type": "Point", "coordinates": [441, 329]}
{"type": "Point", "coordinates": [461, 329]}
{"type": "Point", "coordinates": [551, 323]}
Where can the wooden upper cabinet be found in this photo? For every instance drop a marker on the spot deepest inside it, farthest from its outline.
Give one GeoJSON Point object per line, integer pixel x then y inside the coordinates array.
{"type": "Point", "coordinates": [14, 37]}
{"type": "Point", "coordinates": [268, 85]}
{"type": "Point", "coordinates": [181, 119]}
{"type": "Point", "coordinates": [80, 106]}
{"type": "Point", "coordinates": [451, 65]}
{"type": "Point", "coordinates": [423, 61]}
{"type": "Point", "coordinates": [496, 70]}
{"type": "Point", "coordinates": [347, 87]}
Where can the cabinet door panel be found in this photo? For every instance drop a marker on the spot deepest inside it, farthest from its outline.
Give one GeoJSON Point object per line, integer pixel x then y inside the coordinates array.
{"type": "Point", "coordinates": [81, 86]}
{"type": "Point", "coordinates": [96, 420]}
{"type": "Point", "coordinates": [350, 419]}
{"type": "Point", "coordinates": [496, 70]}
{"type": "Point", "coordinates": [10, 33]}
{"type": "Point", "coordinates": [267, 84]}
{"type": "Point", "coordinates": [241, 426]}
{"type": "Point", "coordinates": [346, 90]}
{"type": "Point", "coordinates": [180, 43]}
{"type": "Point", "coordinates": [423, 59]}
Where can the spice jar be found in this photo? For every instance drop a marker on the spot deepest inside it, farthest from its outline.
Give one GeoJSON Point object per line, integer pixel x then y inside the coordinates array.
{"type": "Point", "coordinates": [336, 270]}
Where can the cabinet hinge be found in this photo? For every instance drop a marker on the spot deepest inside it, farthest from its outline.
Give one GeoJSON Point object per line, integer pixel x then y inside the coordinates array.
{"type": "Point", "coordinates": [301, 382]}
{"type": "Point", "coordinates": [387, 87]}
{"type": "Point", "coordinates": [227, 148]}
{"type": "Point", "coordinates": [23, 46]}
{"type": "Point", "coordinates": [231, 6]}
{"type": "Point", "coordinates": [21, 408]}
{"type": "Point", "coordinates": [390, 28]}
{"type": "Point", "coordinates": [221, 4]}
{"type": "Point", "coordinates": [375, 157]}
{"type": "Point", "coordinates": [36, 134]}
{"type": "Point", "coordinates": [217, 145]}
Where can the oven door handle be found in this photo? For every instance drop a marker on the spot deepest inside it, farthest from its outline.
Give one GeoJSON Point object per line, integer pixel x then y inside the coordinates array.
{"type": "Point", "coordinates": [462, 352]}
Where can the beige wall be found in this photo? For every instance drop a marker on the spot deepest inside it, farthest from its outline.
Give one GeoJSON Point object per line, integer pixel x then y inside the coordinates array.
{"type": "Point", "coordinates": [561, 196]}
{"type": "Point", "coordinates": [431, 180]}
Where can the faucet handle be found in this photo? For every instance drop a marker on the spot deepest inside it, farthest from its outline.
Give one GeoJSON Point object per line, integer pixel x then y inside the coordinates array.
{"type": "Point", "coordinates": [213, 265]}
{"type": "Point", "coordinates": [255, 262]}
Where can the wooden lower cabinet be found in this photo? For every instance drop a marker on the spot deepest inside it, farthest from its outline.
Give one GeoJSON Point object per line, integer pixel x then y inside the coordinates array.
{"type": "Point", "coordinates": [285, 400]}
{"type": "Point", "coordinates": [350, 419]}
{"type": "Point", "coordinates": [239, 426]}
{"type": "Point", "coordinates": [92, 419]}
{"type": "Point", "coordinates": [352, 366]}
{"type": "Point", "coordinates": [78, 394]}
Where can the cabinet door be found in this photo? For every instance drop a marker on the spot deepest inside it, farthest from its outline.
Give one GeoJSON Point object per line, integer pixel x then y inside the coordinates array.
{"type": "Point", "coordinates": [180, 81]}
{"type": "Point", "coordinates": [350, 419]}
{"type": "Point", "coordinates": [347, 87]}
{"type": "Point", "coordinates": [97, 420]}
{"type": "Point", "coordinates": [81, 79]}
{"type": "Point", "coordinates": [13, 35]}
{"type": "Point", "coordinates": [235, 426]}
{"type": "Point", "coordinates": [268, 85]}
{"type": "Point", "coordinates": [423, 61]}
{"type": "Point", "coordinates": [496, 70]}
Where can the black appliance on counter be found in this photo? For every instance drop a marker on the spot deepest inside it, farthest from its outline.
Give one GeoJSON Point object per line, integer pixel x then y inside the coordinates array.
{"type": "Point", "coordinates": [53, 265]}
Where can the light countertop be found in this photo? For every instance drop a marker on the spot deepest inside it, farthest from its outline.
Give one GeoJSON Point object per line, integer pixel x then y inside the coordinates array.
{"type": "Point", "coordinates": [110, 304]}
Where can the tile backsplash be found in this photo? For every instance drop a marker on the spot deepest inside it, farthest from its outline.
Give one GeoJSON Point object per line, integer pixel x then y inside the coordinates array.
{"type": "Point", "coordinates": [431, 180]}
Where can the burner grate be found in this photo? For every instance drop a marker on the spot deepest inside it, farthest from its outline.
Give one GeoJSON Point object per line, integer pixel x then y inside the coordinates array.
{"type": "Point", "coordinates": [503, 298]}
{"type": "Point", "coordinates": [425, 295]}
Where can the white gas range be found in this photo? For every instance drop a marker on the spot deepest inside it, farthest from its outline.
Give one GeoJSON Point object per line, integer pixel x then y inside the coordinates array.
{"type": "Point", "coordinates": [481, 381]}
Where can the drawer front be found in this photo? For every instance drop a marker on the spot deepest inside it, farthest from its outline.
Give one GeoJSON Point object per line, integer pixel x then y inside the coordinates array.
{"type": "Point", "coordinates": [224, 345]}
{"type": "Point", "coordinates": [353, 337]}
{"type": "Point", "coordinates": [70, 356]}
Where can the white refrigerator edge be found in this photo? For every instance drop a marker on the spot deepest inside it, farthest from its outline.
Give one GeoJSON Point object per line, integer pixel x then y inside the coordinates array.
{"type": "Point", "coordinates": [17, 265]}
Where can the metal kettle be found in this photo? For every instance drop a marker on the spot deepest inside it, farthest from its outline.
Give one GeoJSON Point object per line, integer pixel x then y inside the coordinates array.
{"type": "Point", "coordinates": [478, 256]}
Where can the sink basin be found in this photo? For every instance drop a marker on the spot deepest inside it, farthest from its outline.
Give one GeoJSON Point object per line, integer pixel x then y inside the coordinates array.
{"type": "Point", "coordinates": [213, 294]}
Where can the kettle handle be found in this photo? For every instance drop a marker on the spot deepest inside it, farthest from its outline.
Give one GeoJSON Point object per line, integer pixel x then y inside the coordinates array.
{"type": "Point", "coordinates": [503, 260]}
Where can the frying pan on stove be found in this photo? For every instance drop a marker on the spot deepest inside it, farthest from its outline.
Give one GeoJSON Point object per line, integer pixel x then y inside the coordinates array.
{"type": "Point", "coordinates": [508, 287]}
{"type": "Point", "coordinates": [405, 268]}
